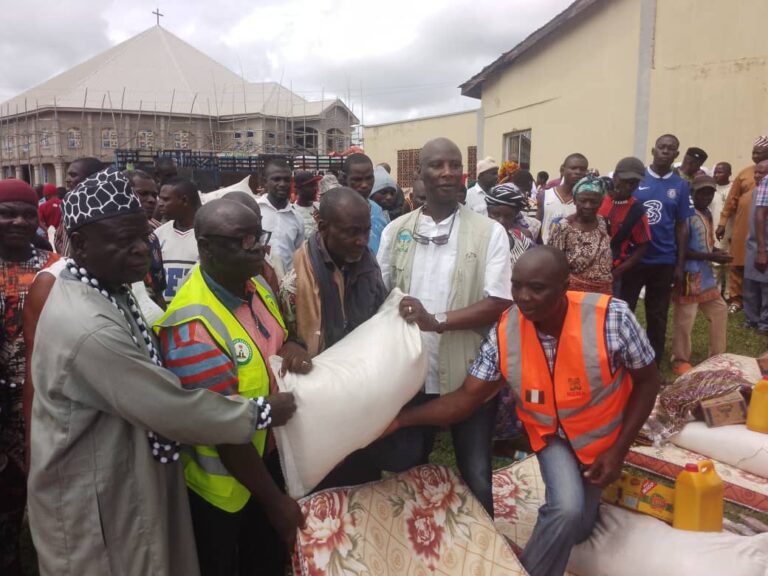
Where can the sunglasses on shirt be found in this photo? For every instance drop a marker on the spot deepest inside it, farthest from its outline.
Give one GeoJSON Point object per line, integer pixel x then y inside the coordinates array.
{"type": "Point", "coordinates": [440, 240]}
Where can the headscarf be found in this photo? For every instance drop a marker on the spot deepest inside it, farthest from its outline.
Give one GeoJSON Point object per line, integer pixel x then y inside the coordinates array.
{"type": "Point", "coordinates": [14, 190]}
{"type": "Point", "coordinates": [590, 183]}
{"type": "Point", "coordinates": [507, 195]}
{"type": "Point", "coordinates": [761, 142]}
{"type": "Point", "coordinates": [102, 195]}
{"type": "Point", "coordinates": [507, 170]}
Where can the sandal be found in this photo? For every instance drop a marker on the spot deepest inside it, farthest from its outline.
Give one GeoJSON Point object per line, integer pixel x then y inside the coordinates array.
{"type": "Point", "coordinates": [733, 308]}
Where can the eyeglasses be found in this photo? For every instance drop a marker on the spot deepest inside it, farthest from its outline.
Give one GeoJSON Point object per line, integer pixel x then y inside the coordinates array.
{"type": "Point", "coordinates": [249, 242]}
{"type": "Point", "coordinates": [441, 240]}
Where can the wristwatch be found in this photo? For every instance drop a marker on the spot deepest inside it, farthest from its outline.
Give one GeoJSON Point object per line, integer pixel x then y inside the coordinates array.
{"type": "Point", "coordinates": [442, 319]}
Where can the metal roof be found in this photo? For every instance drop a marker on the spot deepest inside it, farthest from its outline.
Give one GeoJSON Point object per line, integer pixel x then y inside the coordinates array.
{"type": "Point", "coordinates": [156, 71]}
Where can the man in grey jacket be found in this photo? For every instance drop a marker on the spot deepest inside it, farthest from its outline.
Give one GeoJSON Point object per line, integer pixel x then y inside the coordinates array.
{"type": "Point", "coordinates": [106, 492]}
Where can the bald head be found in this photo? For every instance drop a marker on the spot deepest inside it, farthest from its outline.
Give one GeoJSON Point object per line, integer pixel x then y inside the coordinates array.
{"type": "Point", "coordinates": [435, 147]}
{"type": "Point", "coordinates": [540, 282]}
{"type": "Point", "coordinates": [219, 217]}
{"type": "Point", "coordinates": [227, 234]}
{"type": "Point", "coordinates": [340, 201]}
{"type": "Point", "coordinates": [344, 224]}
{"type": "Point", "coordinates": [244, 199]}
{"type": "Point", "coordinates": [441, 172]}
{"type": "Point", "coordinates": [544, 261]}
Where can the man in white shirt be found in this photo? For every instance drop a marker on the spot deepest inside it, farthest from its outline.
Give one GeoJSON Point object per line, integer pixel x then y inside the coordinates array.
{"type": "Point", "coordinates": [555, 203]}
{"type": "Point", "coordinates": [487, 178]}
{"type": "Point", "coordinates": [179, 202]}
{"type": "Point", "coordinates": [455, 266]}
{"type": "Point", "coordinates": [278, 215]}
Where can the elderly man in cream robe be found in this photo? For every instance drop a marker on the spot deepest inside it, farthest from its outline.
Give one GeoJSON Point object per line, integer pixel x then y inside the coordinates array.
{"type": "Point", "coordinates": [106, 489]}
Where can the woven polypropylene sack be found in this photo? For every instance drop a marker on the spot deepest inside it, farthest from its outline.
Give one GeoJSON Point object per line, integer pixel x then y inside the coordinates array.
{"type": "Point", "coordinates": [626, 543]}
{"type": "Point", "coordinates": [354, 391]}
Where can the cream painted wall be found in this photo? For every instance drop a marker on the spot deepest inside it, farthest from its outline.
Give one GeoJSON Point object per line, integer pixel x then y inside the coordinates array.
{"type": "Point", "coordinates": [384, 140]}
{"type": "Point", "coordinates": [576, 92]}
{"type": "Point", "coordinates": [710, 87]}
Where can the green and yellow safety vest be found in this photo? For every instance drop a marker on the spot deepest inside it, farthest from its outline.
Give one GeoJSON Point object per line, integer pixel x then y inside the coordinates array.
{"type": "Point", "coordinates": [204, 472]}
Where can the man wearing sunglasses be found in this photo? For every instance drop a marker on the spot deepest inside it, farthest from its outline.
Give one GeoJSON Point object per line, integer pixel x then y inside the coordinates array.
{"type": "Point", "coordinates": [455, 266]}
{"type": "Point", "coordinates": [217, 334]}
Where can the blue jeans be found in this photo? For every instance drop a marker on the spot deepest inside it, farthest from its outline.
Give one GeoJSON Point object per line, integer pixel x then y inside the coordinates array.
{"type": "Point", "coordinates": [411, 447]}
{"type": "Point", "coordinates": [755, 297]}
{"type": "Point", "coordinates": [568, 515]}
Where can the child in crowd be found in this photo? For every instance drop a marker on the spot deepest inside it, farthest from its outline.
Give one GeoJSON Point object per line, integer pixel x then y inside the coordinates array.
{"type": "Point", "coordinates": [699, 289]}
{"type": "Point", "coordinates": [628, 222]}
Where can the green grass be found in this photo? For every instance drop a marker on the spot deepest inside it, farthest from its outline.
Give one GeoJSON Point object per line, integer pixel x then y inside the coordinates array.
{"type": "Point", "coordinates": [740, 340]}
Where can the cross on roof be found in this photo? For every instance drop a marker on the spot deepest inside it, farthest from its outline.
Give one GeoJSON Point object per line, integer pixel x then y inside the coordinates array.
{"type": "Point", "coordinates": [158, 14]}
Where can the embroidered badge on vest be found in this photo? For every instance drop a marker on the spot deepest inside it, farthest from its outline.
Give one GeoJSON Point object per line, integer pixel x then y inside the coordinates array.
{"type": "Point", "coordinates": [534, 396]}
{"type": "Point", "coordinates": [243, 352]}
{"type": "Point", "coordinates": [404, 238]}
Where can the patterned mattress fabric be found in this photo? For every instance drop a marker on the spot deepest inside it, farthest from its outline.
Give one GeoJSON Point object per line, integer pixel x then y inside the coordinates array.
{"type": "Point", "coordinates": [714, 377]}
{"type": "Point", "coordinates": [424, 521]}
{"type": "Point", "coordinates": [518, 491]}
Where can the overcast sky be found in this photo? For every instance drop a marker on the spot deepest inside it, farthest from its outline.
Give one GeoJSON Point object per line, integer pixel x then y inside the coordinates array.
{"type": "Point", "coordinates": [396, 58]}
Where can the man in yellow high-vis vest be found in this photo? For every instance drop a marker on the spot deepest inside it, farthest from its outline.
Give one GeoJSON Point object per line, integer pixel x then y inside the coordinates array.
{"type": "Point", "coordinates": [218, 334]}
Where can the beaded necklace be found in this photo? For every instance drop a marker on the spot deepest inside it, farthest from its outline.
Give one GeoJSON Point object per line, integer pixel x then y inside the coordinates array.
{"type": "Point", "coordinates": [163, 450]}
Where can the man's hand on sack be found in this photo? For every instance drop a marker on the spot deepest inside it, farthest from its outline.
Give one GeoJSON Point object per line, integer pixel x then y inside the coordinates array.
{"type": "Point", "coordinates": [412, 310]}
{"type": "Point", "coordinates": [283, 406]}
{"type": "Point", "coordinates": [295, 359]}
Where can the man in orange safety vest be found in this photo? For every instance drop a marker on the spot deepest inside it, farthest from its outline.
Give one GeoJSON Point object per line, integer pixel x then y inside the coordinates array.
{"type": "Point", "coordinates": [584, 379]}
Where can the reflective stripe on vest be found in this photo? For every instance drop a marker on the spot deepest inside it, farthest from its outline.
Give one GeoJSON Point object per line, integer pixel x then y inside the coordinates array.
{"type": "Point", "coordinates": [527, 372]}
{"type": "Point", "coordinates": [205, 474]}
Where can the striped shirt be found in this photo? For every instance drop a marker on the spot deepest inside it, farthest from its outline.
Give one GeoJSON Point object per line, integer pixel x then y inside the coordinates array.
{"type": "Point", "coordinates": [193, 355]}
{"type": "Point", "coordinates": [626, 341]}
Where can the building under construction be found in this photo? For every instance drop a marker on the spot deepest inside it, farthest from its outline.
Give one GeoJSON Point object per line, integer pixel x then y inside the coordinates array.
{"type": "Point", "coordinates": [152, 95]}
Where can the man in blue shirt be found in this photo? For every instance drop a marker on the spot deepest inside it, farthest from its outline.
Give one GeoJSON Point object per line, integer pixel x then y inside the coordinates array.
{"type": "Point", "coordinates": [358, 175]}
{"type": "Point", "coordinates": [667, 202]}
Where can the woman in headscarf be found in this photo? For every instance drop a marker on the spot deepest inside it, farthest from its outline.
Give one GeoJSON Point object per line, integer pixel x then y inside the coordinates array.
{"type": "Point", "coordinates": [584, 238]}
{"type": "Point", "coordinates": [506, 203]}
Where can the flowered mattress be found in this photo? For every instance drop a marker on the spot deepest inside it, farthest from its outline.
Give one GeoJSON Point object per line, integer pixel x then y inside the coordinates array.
{"type": "Point", "coordinates": [424, 521]}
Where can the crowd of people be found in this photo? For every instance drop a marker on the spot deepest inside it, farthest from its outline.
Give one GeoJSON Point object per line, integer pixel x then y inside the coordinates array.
{"type": "Point", "coordinates": [137, 316]}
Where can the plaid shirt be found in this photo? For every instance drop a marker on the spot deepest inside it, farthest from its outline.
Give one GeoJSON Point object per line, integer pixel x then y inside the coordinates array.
{"type": "Point", "coordinates": [761, 194]}
{"type": "Point", "coordinates": [627, 344]}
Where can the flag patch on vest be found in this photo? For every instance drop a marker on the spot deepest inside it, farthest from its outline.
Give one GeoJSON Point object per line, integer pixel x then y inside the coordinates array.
{"type": "Point", "coordinates": [534, 396]}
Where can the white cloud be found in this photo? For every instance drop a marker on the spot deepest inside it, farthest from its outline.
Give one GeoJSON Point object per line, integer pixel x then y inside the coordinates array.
{"type": "Point", "coordinates": [395, 58]}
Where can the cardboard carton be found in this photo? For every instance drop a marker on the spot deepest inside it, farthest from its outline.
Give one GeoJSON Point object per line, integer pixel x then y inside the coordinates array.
{"type": "Point", "coordinates": [725, 410]}
{"type": "Point", "coordinates": [634, 492]}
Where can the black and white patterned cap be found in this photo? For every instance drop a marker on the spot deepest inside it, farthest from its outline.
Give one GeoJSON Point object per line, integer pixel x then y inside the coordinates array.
{"type": "Point", "coordinates": [102, 195]}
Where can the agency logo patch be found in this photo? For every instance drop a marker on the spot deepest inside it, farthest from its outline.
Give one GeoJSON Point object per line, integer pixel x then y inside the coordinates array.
{"type": "Point", "coordinates": [243, 351]}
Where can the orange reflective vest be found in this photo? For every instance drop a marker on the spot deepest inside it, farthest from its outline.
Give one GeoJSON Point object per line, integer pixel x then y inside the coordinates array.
{"type": "Point", "coordinates": [581, 395]}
